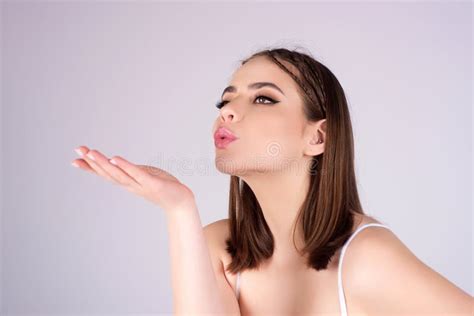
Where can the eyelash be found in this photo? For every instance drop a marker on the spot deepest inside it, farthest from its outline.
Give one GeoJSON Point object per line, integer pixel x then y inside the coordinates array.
{"type": "Point", "coordinates": [220, 104]}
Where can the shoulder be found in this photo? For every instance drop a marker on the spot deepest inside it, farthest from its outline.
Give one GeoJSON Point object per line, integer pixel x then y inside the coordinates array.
{"type": "Point", "coordinates": [384, 276]}
{"type": "Point", "coordinates": [216, 234]}
{"type": "Point", "coordinates": [217, 227]}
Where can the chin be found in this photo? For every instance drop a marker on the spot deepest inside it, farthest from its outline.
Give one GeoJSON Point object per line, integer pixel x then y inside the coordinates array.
{"type": "Point", "coordinates": [242, 169]}
{"type": "Point", "coordinates": [229, 166]}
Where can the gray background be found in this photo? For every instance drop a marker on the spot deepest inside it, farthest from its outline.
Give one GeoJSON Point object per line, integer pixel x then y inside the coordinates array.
{"type": "Point", "coordinates": [140, 80]}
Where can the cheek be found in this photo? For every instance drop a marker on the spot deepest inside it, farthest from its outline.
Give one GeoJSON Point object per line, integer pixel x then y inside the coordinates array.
{"type": "Point", "coordinates": [279, 135]}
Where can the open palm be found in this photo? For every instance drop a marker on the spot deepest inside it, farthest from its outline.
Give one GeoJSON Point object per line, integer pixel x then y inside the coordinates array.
{"type": "Point", "coordinates": [154, 184]}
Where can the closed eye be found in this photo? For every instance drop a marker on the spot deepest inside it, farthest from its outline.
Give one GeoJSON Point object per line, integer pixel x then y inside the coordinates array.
{"type": "Point", "coordinates": [220, 104]}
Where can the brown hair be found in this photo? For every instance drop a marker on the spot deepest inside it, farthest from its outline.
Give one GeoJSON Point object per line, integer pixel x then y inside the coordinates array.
{"type": "Point", "coordinates": [326, 213]}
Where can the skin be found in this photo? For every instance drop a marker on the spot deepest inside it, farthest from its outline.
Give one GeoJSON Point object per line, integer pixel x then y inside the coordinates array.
{"type": "Point", "coordinates": [275, 145]}
{"type": "Point", "coordinates": [154, 184]}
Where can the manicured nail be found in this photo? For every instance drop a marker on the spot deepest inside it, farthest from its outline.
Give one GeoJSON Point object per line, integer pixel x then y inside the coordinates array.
{"type": "Point", "coordinates": [112, 161]}
{"type": "Point", "coordinates": [75, 164]}
{"type": "Point", "coordinates": [79, 152]}
{"type": "Point", "coordinates": [90, 156]}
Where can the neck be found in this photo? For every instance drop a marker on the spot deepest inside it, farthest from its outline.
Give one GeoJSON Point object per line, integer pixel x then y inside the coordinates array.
{"type": "Point", "coordinates": [280, 196]}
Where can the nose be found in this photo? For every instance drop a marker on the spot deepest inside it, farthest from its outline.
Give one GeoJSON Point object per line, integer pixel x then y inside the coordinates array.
{"type": "Point", "coordinates": [228, 114]}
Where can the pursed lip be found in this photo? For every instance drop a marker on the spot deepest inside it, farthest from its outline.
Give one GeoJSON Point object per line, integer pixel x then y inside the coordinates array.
{"type": "Point", "coordinates": [223, 137]}
{"type": "Point", "coordinates": [223, 132]}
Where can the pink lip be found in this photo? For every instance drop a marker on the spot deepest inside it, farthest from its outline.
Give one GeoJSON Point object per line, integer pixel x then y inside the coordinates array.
{"type": "Point", "coordinates": [223, 137]}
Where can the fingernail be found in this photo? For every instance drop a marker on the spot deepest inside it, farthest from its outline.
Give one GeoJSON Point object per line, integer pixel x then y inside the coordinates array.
{"type": "Point", "coordinates": [78, 151]}
{"type": "Point", "coordinates": [75, 164]}
{"type": "Point", "coordinates": [90, 156]}
{"type": "Point", "coordinates": [112, 161]}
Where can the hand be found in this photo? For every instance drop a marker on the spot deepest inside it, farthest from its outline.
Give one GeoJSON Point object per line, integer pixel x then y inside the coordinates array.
{"type": "Point", "coordinates": [154, 184]}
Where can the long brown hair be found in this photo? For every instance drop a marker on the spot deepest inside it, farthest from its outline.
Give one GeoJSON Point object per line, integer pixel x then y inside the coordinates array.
{"type": "Point", "coordinates": [332, 198]}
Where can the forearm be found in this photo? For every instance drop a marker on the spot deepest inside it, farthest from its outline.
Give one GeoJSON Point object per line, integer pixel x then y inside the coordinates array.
{"type": "Point", "coordinates": [194, 285]}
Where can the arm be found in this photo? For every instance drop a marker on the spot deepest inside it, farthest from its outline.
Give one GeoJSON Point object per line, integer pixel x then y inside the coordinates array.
{"type": "Point", "coordinates": [387, 279]}
{"type": "Point", "coordinates": [195, 286]}
{"type": "Point", "coordinates": [216, 234]}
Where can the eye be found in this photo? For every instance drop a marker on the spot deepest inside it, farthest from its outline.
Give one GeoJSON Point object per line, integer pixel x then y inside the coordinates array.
{"type": "Point", "coordinates": [266, 98]}
{"type": "Point", "coordinates": [220, 104]}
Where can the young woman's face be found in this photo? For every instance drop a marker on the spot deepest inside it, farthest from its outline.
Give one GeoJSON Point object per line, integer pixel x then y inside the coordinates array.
{"type": "Point", "coordinates": [269, 124]}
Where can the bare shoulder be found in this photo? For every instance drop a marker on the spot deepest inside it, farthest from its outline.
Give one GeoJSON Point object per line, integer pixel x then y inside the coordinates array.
{"type": "Point", "coordinates": [219, 227]}
{"type": "Point", "coordinates": [216, 234]}
{"type": "Point", "coordinates": [385, 276]}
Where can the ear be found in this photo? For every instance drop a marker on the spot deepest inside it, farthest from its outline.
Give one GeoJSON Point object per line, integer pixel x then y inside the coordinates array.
{"type": "Point", "coordinates": [315, 138]}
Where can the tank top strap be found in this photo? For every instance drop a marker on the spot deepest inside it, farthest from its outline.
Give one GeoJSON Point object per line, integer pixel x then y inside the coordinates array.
{"type": "Point", "coordinates": [342, 300]}
{"type": "Point", "coordinates": [237, 285]}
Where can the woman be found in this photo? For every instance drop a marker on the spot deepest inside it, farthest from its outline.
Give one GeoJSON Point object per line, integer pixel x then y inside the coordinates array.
{"type": "Point", "coordinates": [284, 135]}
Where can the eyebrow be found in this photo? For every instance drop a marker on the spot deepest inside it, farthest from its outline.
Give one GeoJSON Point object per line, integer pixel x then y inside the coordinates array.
{"type": "Point", "coordinates": [255, 85]}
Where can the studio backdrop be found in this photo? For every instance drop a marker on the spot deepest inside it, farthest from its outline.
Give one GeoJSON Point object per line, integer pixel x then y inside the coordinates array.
{"type": "Point", "coordinates": [141, 79]}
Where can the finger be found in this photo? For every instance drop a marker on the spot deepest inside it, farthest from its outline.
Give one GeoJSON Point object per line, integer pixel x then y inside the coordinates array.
{"type": "Point", "coordinates": [81, 151]}
{"type": "Point", "coordinates": [115, 172]}
{"type": "Point", "coordinates": [81, 164]}
{"type": "Point", "coordinates": [137, 173]}
{"type": "Point", "coordinates": [157, 172]}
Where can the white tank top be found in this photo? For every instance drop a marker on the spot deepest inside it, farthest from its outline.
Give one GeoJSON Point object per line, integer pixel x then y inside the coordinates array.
{"type": "Point", "coordinates": [342, 300]}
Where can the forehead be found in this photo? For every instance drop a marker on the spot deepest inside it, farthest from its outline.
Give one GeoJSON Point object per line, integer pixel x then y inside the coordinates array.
{"type": "Point", "coordinates": [261, 68]}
